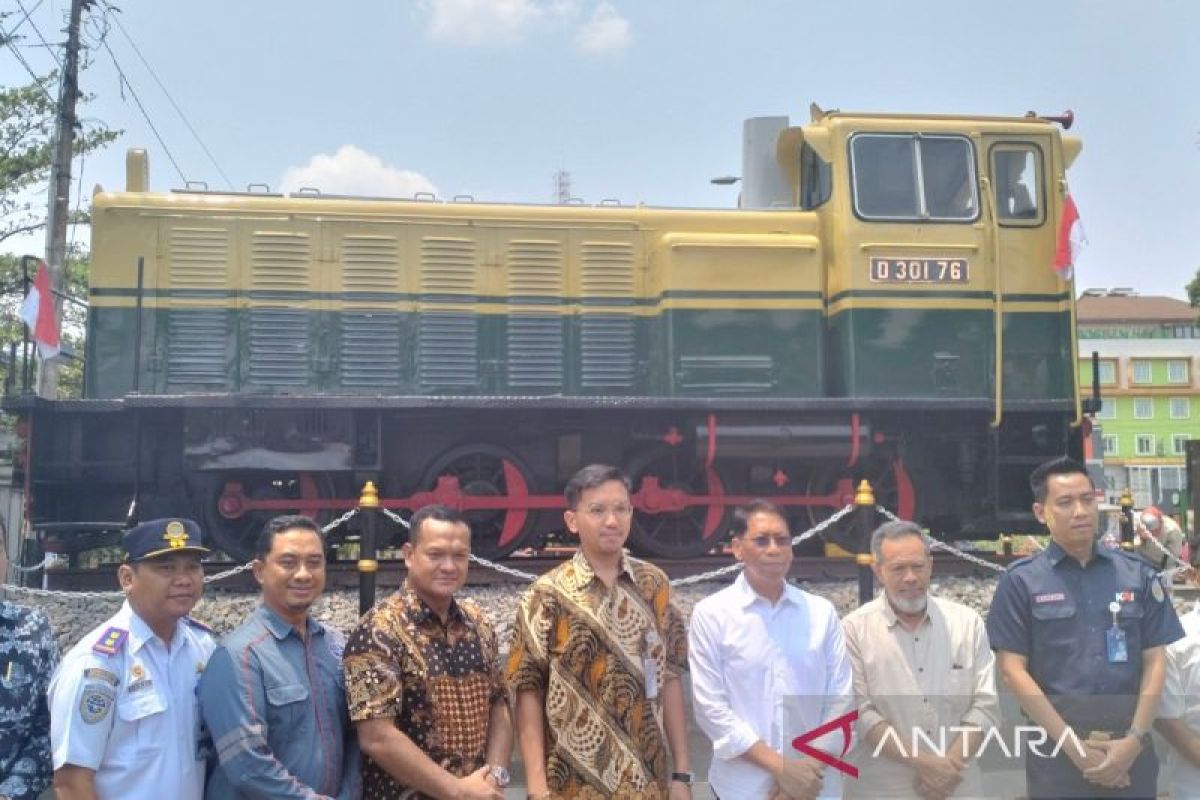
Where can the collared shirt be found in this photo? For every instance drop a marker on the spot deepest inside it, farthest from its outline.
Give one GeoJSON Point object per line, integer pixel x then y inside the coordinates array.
{"type": "Point", "coordinates": [931, 679]}
{"type": "Point", "coordinates": [275, 703]}
{"type": "Point", "coordinates": [766, 671]}
{"type": "Point", "coordinates": [28, 655]}
{"type": "Point", "coordinates": [123, 703]}
{"type": "Point", "coordinates": [1181, 701]}
{"type": "Point", "coordinates": [585, 646]}
{"type": "Point", "coordinates": [1056, 613]}
{"type": "Point", "coordinates": [437, 681]}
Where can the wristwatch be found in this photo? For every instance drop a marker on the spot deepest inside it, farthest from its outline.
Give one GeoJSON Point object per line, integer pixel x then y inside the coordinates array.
{"type": "Point", "coordinates": [685, 778]}
{"type": "Point", "coordinates": [499, 774]}
{"type": "Point", "coordinates": [1142, 736]}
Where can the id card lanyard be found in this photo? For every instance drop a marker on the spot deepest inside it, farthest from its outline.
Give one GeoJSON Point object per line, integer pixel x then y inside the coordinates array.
{"type": "Point", "coordinates": [1118, 648]}
{"type": "Point", "coordinates": [649, 664]}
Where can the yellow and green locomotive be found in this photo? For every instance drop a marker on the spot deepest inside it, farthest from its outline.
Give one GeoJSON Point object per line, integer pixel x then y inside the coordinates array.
{"type": "Point", "coordinates": [882, 305]}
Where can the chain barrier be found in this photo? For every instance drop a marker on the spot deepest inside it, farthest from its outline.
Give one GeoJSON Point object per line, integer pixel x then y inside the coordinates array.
{"type": "Point", "coordinates": [797, 539]}
{"type": "Point", "coordinates": [45, 560]}
{"type": "Point", "coordinates": [394, 517]}
{"type": "Point", "coordinates": [216, 576]}
{"type": "Point", "coordinates": [939, 545]}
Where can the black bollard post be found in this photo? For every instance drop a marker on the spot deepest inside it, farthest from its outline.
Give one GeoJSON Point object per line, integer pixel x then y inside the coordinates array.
{"type": "Point", "coordinates": [368, 565]}
{"type": "Point", "coordinates": [864, 526]}
{"type": "Point", "coordinates": [1126, 519]}
{"type": "Point", "coordinates": [1006, 543]}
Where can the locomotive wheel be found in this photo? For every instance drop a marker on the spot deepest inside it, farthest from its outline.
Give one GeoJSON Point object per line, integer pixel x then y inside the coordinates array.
{"type": "Point", "coordinates": [480, 470]}
{"type": "Point", "coordinates": [676, 534]}
{"type": "Point", "coordinates": [236, 536]}
{"type": "Point", "coordinates": [890, 482]}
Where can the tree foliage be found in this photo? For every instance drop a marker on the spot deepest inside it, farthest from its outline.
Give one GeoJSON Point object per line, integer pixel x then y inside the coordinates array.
{"type": "Point", "coordinates": [27, 121]}
{"type": "Point", "coordinates": [1193, 290]}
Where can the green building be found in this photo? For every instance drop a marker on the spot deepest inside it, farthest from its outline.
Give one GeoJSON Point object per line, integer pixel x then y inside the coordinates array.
{"type": "Point", "coordinates": [1149, 351]}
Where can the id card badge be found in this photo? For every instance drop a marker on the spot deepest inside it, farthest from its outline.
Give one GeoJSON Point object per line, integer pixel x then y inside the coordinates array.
{"type": "Point", "coordinates": [1118, 648]}
{"type": "Point", "coordinates": [650, 665]}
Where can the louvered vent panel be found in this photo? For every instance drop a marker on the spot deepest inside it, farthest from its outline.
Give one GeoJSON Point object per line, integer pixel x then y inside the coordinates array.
{"type": "Point", "coordinates": [607, 269]}
{"type": "Point", "coordinates": [370, 263]}
{"type": "Point", "coordinates": [199, 258]}
{"type": "Point", "coordinates": [607, 357]}
{"type": "Point", "coordinates": [448, 266]}
{"type": "Point", "coordinates": [535, 350]}
{"type": "Point", "coordinates": [447, 350]}
{"type": "Point", "coordinates": [279, 261]}
{"type": "Point", "coordinates": [535, 268]}
{"type": "Point", "coordinates": [196, 347]}
{"type": "Point", "coordinates": [279, 347]}
{"type": "Point", "coordinates": [370, 350]}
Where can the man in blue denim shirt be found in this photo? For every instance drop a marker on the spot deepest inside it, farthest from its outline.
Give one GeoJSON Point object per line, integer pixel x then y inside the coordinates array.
{"type": "Point", "coordinates": [28, 655]}
{"type": "Point", "coordinates": [273, 694]}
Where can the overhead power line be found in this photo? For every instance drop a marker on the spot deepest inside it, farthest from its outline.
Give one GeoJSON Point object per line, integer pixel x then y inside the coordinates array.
{"type": "Point", "coordinates": [8, 42]}
{"type": "Point", "coordinates": [115, 18]}
{"type": "Point", "coordinates": [28, 16]}
{"type": "Point", "coordinates": [145, 115]}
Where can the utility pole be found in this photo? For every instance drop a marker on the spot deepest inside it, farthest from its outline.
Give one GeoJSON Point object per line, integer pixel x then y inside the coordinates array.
{"type": "Point", "coordinates": [562, 187]}
{"type": "Point", "coordinates": [60, 186]}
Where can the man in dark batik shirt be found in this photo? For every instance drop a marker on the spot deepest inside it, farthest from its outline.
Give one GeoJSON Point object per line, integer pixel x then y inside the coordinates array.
{"type": "Point", "coordinates": [28, 655]}
{"type": "Point", "coordinates": [423, 680]}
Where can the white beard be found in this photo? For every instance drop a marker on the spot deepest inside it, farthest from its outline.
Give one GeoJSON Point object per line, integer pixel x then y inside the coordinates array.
{"type": "Point", "coordinates": [914, 606]}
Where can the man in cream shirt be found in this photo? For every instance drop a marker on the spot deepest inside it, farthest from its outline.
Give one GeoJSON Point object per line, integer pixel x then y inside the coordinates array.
{"type": "Point", "coordinates": [920, 663]}
{"type": "Point", "coordinates": [768, 664]}
{"type": "Point", "coordinates": [1179, 711]}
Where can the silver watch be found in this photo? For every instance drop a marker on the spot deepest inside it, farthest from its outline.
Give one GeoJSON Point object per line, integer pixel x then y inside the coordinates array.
{"type": "Point", "coordinates": [499, 774]}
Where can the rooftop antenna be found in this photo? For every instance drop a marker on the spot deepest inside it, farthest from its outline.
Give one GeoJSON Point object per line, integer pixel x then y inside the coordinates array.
{"type": "Point", "coordinates": [562, 187]}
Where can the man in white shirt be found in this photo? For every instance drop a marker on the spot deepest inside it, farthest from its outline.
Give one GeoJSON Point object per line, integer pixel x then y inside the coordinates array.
{"type": "Point", "coordinates": [124, 719]}
{"type": "Point", "coordinates": [768, 664]}
{"type": "Point", "coordinates": [923, 673]}
{"type": "Point", "coordinates": [1179, 710]}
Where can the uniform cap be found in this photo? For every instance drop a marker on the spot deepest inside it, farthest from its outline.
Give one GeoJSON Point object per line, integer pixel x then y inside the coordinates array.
{"type": "Point", "coordinates": [162, 536]}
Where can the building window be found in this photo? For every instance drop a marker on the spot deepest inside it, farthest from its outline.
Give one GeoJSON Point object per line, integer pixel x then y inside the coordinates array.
{"type": "Point", "coordinates": [1177, 371]}
{"type": "Point", "coordinates": [1109, 445]}
{"type": "Point", "coordinates": [1143, 445]}
{"type": "Point", "coordinates": [1141, 371]}
{"type": "Point", "coordinates": [1179, 444]}
{"type": "Point", "coordinates": [1143, 408]}
{"type": "Point", "coordinates": [1108, 409]}
{"type": "Point", "coordinates": [1108, 373]}
{"type": "Point", "coordinates": [1181, 408]}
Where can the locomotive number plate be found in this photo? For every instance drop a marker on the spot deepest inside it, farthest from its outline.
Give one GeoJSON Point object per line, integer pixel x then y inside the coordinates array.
{"type": "Point", "coordinates": [920, 270]}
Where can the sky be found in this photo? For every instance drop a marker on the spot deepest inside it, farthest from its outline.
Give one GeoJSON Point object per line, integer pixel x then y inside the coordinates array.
{"type": "Point", "coordinates": [638, 100]}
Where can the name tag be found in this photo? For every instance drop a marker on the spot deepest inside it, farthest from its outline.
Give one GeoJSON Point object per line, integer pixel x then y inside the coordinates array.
{"type": "Point", "coordinates": [1050, 597]}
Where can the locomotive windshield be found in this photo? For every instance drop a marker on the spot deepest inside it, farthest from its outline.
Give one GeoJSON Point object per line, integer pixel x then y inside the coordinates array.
{"type": "Point", "coordinates": [914, 177]}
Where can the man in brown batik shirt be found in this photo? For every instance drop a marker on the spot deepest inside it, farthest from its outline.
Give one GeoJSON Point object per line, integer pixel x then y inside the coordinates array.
{"type": "Point", "coordinates": [596, 662]}
{"type": "Point", "coordinates": [423, 678]}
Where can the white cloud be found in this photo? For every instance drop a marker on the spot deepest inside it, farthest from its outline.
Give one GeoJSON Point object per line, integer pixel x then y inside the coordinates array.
{"type": "Point", "coordinates": [471, 23]}
{"type": "Point", "coordinates": [606, 32]}
{"type": "Point", "coordinates": [474, 22]}
{"type": "Point", "coordinates": [352, 170]}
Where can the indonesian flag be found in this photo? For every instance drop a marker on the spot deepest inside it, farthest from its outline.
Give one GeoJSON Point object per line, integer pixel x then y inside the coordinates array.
{"type": "Point", "coordinates": [1071, 240]}
{"type": "Point", "coordinates": [38, 312]}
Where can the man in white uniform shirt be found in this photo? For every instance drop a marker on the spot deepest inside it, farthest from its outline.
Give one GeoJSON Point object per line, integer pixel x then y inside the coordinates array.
{"type": "Point", "coordinates": [921, 663]}
{"type": "Point", "coordinates": [124, 719]}
{"type": "Point", "coordinates": [1179, 710]}
{"type": "Point", "coordinates": [768, 664]}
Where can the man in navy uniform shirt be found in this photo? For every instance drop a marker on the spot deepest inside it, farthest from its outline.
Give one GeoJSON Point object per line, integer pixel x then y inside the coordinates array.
{"type": "Point", "coordinates": [1080, 633]}
{"type": "Point", "coordinates": [28, 655]}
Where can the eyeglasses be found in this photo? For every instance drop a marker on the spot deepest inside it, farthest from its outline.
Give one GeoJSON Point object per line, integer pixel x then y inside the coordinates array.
{"type": "Point", "coordinates": [602, 512]}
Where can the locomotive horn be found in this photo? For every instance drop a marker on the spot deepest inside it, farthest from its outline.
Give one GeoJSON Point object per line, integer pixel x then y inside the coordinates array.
{"type": "Point", "coordinates": [1066, 119]}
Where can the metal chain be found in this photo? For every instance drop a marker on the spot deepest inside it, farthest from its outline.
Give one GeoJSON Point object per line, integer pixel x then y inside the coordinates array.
{"type": "Point", "coordinates": [797, 539]}
{"type": "Point", "coordinates": [1180, 564]}
{"type": "Point", "coordinates": [394, 517]}
{"type": "Point", "coordinates": [343, 519]}
{"type": "Point", "coordinates": [939, 545]}
{"type": "Point", "coordinates": [515, 573]}
{"type": "Point", "coordinates": [45, 560]}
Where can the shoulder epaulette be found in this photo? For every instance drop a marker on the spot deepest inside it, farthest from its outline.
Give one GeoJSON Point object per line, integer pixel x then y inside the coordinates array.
{"type": "Point", "coordinates": [197, 624]}
{"type": "Point", "coordinates": [111, 641]}
{"type": "Point", "coordinates": [1022, 561]}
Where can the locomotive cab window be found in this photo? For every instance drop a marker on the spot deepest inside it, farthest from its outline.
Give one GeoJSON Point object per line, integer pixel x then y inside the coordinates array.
{"type": "Point", "coordinates": [914, 177]}
{"type": "Point", "coordinates": [1016, 174]}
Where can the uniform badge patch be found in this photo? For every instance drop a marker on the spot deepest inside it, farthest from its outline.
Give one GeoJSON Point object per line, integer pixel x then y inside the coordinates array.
{"type": "Point", "coordinates": [1049, 597]}
{"type": "Point", "coordinates": [111, 641]}
{"type": "Point", "coordinates": [1127, 596]}
{"type": "Point", "coordinates": [95, 703]}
